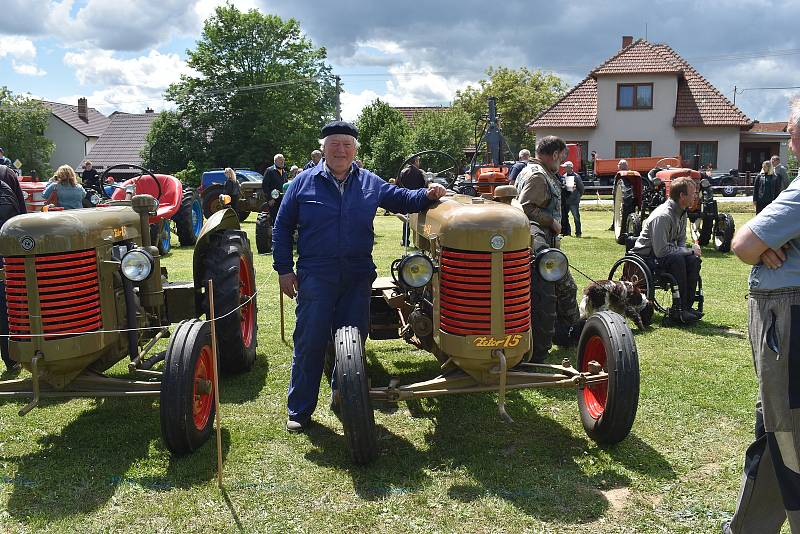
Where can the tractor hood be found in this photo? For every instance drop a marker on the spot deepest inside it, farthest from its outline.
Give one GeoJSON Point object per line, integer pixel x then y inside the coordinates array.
{"type": "Point", "coordinates": [68, 230]}
{"type": "Point", "coordinates": [469, 223]}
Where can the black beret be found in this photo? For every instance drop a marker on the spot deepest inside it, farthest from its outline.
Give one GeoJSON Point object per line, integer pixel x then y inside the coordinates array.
{"type": "Point", "coordinates": [339, 127]}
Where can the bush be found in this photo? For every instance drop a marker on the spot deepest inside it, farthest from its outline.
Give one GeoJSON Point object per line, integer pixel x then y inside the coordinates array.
{"type": "Point", "coordinates": [190, 176]}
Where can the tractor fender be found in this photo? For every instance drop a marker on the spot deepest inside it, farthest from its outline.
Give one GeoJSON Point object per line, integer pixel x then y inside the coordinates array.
{"type": "Point", "coordinates": [225, 219]}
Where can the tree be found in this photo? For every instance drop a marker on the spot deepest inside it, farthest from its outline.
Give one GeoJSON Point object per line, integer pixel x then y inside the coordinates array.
{"type": "Point", "coordinates": [170, 145]}
{"type": "Point", "coordinates": [521, 96]}
{"type": "Point", "coordinates": [262, 88]}
{"type": "Point", "coordinates": [23, 121]}
{"type": "Point", "coordinates": [383, 134]}
{"type": "Point", "coordinates": [450, 131]}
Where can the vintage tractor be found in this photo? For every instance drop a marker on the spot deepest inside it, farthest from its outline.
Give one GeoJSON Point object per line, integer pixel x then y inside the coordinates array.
{"type": "Point", "coordinates": [465, 297]}
{"type": "Point", "coordinates": [85, 290]}
{"type": "Point", "coordinates": [176, 204]}
{"type": "Point", "coordinates": [635, 198]}
{"type": "Point", "coordinates": [252, 197]}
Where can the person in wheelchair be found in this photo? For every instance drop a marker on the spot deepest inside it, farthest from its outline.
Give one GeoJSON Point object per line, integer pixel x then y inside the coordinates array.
{"type": "Point", "coordinates": [662, 244]}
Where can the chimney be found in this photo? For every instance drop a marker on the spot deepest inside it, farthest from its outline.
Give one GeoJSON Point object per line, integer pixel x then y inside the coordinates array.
{"type": "Point", "coordinates": [83, 109]}
{"type": "Point", "coordinates": [149, 110]}
{"type": "Point", "coordinates": [627, 40]}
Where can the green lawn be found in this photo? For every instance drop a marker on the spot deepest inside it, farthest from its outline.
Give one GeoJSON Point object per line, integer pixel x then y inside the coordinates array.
{"type": "Point", "coordinates": [445, 465]}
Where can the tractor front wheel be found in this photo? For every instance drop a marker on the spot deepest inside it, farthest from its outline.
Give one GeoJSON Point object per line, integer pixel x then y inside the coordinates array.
{"type": "Point", "coordinates": [352, 383]}
{"type": "Point", "coordinates": [161, 236]}
{"type": "Point", "coordinates": [211, 203]}
{"type": "Point", "coordinates": [187, 388]}
{"type": "Point", "coordinates": [723, 232]}
{"type": "Point", "coordinates": [184, 219]}
{"type": "Point", "coordinates": [264, 233]}
{"type": "Point", "coordinates": [608, 408]}
{"type": "Point", "coordinates": [229, 262]}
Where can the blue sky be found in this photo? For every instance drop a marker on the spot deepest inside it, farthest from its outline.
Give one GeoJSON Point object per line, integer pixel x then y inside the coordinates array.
{"type": "Point", "coordinates": [123, 55]}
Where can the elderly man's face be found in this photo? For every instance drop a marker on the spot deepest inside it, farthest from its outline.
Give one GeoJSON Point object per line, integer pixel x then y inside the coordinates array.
{"type": "Point", "coordinates": [339, 152]}
{"type": "Point", "coordinates": [794, 140]}
{"type": "Point", "coordinates": [279, 162]}
{"type": "Point", "coordinates": [315, 157]}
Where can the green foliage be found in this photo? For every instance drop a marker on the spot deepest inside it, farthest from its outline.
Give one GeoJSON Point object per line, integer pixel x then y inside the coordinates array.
{"type": "Point", "coordinates": [190, 176]}
{"type": "Point", "coordinates": [384, 135]}
{"type": "Point", "coordinates": [23, 121]}
{"type": "Point", "coordinates": [170, 145]}
{"type": "Point", "coordinates": [289, 91]}
{"type": "Point", "coordinates": [450, 131]}
{"type": "Point", "coordinates": [521, 96]}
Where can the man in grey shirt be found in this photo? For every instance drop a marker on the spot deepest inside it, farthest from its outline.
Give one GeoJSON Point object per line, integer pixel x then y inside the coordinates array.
{"type": "Point", "coordinates": [663, 238]}
{"type": "Point", "coordinates": [780, 171]}
{"type": "Point", "coordinates": [770, 241]}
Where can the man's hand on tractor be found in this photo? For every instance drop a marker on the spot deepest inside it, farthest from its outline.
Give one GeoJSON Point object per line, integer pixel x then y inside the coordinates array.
{"type": "Point", "coordinates": [436, 191]}
{"type": "Point", "coordinates": [288, 283]}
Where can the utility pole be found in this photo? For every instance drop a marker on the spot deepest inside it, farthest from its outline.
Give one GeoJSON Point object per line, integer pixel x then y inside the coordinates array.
{"type": "Point", "coordinates": [338, 98]}
{"type": "Point", "coordinates": [734, 95]}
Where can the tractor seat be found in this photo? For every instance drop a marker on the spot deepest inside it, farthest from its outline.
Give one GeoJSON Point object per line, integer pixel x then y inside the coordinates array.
{"type": "Point", "coordinates": [171, 193]}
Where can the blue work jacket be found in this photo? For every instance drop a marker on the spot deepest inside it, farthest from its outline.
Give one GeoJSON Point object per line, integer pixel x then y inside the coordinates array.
{"type": "Point", "coordinates": [335, 230]}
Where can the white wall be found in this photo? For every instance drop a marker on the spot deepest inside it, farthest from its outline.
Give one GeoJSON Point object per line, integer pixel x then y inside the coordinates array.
{"type": "Point", "coordinates": [653, 125]}
{"type": "Point", "coordinates": [70, 145]}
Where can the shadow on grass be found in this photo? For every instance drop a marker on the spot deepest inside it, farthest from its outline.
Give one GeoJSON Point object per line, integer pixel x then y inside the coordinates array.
{"type": "Point", "coordinates": [78, 470]}
{"type": "Point", "coordinates": [244, 387]}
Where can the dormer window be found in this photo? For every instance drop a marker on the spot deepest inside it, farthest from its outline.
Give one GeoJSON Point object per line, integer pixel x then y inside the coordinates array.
{"type": "Point", "coordinates": [634, 96]}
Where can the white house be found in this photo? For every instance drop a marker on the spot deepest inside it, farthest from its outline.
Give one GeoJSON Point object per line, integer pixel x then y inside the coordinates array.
{"type": "Point", "coordinates": [646, 100]}
{"type": "Point", "coordinates": [73, 130]}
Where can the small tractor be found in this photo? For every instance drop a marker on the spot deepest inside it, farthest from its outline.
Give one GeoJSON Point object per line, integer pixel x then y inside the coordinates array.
{"type": "Point", "coordinates": [636, 196]}
{"type": "Point", "coordinates": [85, 290]}
{"type": "Point", "coordinates": [252, 197]}
{"type": "Point", "coordinates": [465, 297]}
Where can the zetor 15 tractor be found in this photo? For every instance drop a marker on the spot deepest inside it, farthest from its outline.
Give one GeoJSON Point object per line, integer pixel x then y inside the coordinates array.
{"type": "Point", "coordinates": [635, 198]}
{"type": "Point", "coordinates": [85, 290]}
{"type": "Point", "coordinates": [465, 297]}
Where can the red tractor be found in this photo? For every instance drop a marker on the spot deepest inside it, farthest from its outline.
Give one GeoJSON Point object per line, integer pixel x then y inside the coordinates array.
{"type": "Point", "coordinates": [636, 196]}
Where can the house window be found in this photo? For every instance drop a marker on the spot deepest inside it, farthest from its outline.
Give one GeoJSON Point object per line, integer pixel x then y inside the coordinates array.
{"type": "Point", "coordinates": [706, 149]}
{"type": "Point", "coordinates": [635, 96]}
{"type": "Point", "coordinates": [633, 149]}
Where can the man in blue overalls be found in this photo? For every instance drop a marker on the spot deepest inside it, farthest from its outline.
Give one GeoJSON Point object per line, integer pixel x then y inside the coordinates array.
{"type": "Point", "coordinates": [332, 206]}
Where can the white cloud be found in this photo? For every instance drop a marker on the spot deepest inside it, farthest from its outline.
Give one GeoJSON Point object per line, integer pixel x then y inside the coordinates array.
{"type": "Point", "coordinates": [27, 69]}
{"type": "Point", "coordinates": [17, 47]}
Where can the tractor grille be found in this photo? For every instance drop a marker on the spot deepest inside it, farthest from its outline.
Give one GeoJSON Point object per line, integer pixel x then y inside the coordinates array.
{"type": "Point", "coordinates": [69, 294]}
{"type": "Point", "coordinates": [466, 292]}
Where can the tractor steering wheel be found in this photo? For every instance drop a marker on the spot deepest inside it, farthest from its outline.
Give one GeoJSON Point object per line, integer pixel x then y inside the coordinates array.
{"type": "Point", "coordinates": [668, 162]}
{"type": "Point", "coordinates": [450, 174]}
{"type": "Point", "coordinates": [135, 180]}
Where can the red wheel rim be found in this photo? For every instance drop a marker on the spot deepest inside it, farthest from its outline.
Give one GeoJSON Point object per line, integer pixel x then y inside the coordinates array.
{"type": "Point", "coordinates": [594, 396]}
{"type": "Point", "coordinates": [203, 393]}
{"type": "Point", "coordinates": [245, 294]}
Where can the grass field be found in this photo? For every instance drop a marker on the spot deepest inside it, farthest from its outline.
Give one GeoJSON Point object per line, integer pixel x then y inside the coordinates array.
{"type": "Point", "coordinates": [445, 465]}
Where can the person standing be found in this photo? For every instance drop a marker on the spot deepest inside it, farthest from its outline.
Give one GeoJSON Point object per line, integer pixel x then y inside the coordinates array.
{"type": "Point", "coordinates": [232, 187]}
{"type": "Point", "coordinates": [4, 160]}
{"type": "Point", "coordinates": [316, 155]}
{"type": "Point", "coordinates": [524, 157]}
{"type": "Point", "coordinates": [11, 205]}
{"type": "Point", "coordinates": [89, 177]}
{"type": "Point", "coordinates": [410, 178]}
{"type": "Point", "coordinates": [766, 187]}
{"type": "Point", "coordinates": [781, 171]}
{"type": "Point", "coordinates": [575, 188]}
{"type": "Point", "coordinates": [622, 165]}
{"type": "Point", "coordinates": [274, 178]}
{"type": "Point", "coordinates": [69, 194]}
{"type": "Point", "coordinates": [554, 305]}
{"type": "Point", "coordinates": [770, 242]}
{"type": "Point", "coordinates": [332, 206]}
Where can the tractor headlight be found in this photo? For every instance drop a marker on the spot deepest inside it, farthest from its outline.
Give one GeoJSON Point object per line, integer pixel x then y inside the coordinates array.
{"type": "Point", "coordinates": [551, 264]}
{"type": "Point", "coordinates": [137, 265]}
{"type": "Point", "coordinates": [415, 270]}
{"type": "Point", "coordinates": [94, 199]}
{"type": "Point", "coordinates": [275, 194]}
{"type": "Point", "coordinates": [704, 183]}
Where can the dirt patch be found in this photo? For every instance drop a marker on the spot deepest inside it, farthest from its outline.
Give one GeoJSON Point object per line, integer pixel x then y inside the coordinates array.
{"type": "Point", "coordinates": [617, 498]}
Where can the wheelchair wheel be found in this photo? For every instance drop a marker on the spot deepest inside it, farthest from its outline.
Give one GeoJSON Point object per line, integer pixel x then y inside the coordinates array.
{"type": "Point", "coordinates": [633, 269]}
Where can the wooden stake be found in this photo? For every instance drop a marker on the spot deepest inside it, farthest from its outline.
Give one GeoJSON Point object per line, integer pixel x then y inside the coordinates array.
{"type": "Point", "coordinates": [283, 334]}
{"type": "Point", "coordinates": [216, 379]}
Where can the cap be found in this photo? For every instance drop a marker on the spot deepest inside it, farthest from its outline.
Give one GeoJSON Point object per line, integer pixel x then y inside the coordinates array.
{"type": "Point", "coordinates": [339, 127]}
{"type": "Point", "coordinates": [567, 164]}
{"type": "Point", "coordinates": [505, 191]}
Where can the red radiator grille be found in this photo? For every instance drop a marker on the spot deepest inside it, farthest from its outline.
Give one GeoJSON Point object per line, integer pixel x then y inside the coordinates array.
{"type": "Point", "coordinates": [69, 294]}
{"type": "Point", "coordinates": [465, 292]}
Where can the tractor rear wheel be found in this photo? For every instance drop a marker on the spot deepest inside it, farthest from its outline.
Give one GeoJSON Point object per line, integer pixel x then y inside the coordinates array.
{"type": "Point", "coordinates": [352, 383]}
{"type": "Point", "coordinates": [229, 262]}
{"type": "Point", "coordinates": [634, 225]}
{"type": "Point", "coordinates": [623, 207]}
{"type": "Point", "coordinates": [723, 232]}
{"type": "Point", "coordinates": [608, 409]}
{"type": "Point", "coordinates": [187, 388]}
{"type": "Point", "coordinates": [161, 236]}
{"type": "Point", "coordinates": [264, 233]}
{"type": "Point", "coordinates": [211, 203]}
{"type": "Point", "coordinates": [185, 220]}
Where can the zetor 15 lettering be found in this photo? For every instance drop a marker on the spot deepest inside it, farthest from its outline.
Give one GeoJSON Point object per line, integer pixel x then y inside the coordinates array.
{"type": "Point", "coordinates": [511, 340]}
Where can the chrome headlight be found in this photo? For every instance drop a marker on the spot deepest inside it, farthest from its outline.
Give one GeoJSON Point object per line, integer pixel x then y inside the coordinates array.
{"type": "Point", "coordinates": [551, 264]}
{"type": "Point", "coordinates": [704, 183]}
{"type": "Point", "coordinates": [137, 265]}
{"type": "Point", "coordinates": [94, 199]}
{"type": "Point", "coordinates": [415, 270]}
{"type": "Point", "coordinates": [275, 194]}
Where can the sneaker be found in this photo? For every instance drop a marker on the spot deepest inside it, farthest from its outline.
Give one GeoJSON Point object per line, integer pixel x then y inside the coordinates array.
{"type": "Point", "coordinates": [296, 427]}
{"type": "Point", "coordinates": [682, 316]}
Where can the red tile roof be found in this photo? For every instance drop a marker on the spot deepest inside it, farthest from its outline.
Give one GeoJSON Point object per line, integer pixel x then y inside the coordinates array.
{"type": "Point", "coordinates": [698, 103]}
{"type": "Point", "coordinates": [410, 111]}
{"type": "Point", "coordinates": [769, 127]}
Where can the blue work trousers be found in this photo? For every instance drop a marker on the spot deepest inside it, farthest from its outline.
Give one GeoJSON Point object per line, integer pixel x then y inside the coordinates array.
{"type": "Point", "coordinates": [323, 306]}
